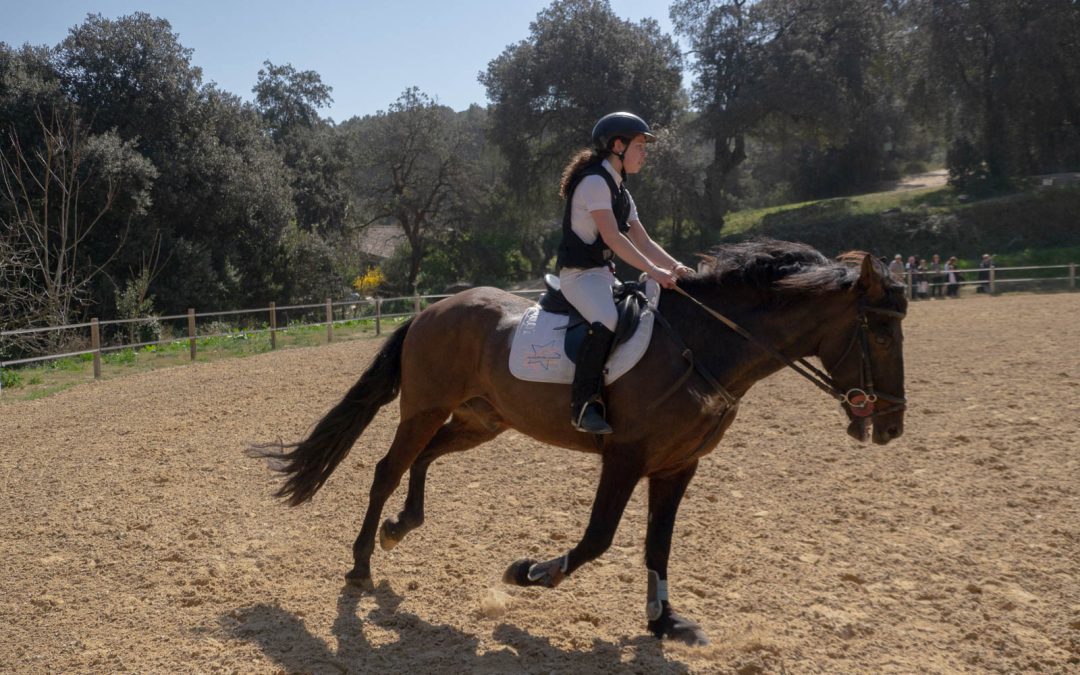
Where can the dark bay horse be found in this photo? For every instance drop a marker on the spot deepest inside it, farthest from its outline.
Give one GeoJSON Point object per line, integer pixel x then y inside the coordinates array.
{"type": "Point", "coordinates": [450, 364]}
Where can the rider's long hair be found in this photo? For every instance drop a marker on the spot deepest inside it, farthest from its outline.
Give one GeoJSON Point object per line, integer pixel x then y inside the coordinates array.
{"type": "Point", "coordinates": [581, 160]}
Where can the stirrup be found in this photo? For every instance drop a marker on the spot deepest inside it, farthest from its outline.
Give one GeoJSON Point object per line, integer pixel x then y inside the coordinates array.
{"type": "Point", "coordinates": [590, 421]}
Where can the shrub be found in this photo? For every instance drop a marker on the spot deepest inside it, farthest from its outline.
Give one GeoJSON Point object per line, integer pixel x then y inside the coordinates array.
{"type": "Point", "coordinates": [10, 378]}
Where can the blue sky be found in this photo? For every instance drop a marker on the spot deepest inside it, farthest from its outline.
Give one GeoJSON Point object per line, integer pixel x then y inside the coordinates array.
{"type": "Point", "coordinates": [369, 52]}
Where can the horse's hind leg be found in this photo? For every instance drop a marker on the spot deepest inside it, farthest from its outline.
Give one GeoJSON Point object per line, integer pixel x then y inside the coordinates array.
{"type": "Point", "coordinates": [472, 424]}
{"type": "Point", "coordinates": [413, 433]}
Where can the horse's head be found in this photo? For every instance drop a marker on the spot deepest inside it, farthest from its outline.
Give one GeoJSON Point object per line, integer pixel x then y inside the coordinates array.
{"type": "Point", "coordinates": [865, 354]}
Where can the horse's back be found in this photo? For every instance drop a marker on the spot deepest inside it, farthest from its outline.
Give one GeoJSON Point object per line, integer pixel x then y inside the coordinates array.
{"type": "Point", "coordinates": [455, 347]}
{"type": "Point", "coordinates": [477, 311]}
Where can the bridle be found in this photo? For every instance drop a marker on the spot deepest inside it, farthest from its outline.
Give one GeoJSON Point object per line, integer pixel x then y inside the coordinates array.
{"type": "Point", "coordinates": [861, 400]}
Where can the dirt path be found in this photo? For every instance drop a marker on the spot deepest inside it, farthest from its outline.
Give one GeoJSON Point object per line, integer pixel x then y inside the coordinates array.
{"type": "Point", "coordinates": [137, 537]}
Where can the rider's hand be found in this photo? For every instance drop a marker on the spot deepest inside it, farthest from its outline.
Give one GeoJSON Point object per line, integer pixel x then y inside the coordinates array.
{"type": "Point", "coordinates": [663, 276]}
{"type": "Point", "coordinates": [682, 271]}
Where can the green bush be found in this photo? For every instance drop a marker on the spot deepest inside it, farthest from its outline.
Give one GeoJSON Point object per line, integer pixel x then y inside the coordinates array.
{"type": "Point", "coordinates": [10, 378]}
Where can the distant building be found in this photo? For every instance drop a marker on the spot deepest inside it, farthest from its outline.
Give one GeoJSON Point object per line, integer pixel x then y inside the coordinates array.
{"type": "Point", "coordinates": [378, 242]}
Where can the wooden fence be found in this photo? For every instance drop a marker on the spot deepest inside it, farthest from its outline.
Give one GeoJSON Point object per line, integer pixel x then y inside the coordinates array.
{"type": "Point", "coordinates": [376, 310]}
{"type": "Point", "coordinates": [998, 277]}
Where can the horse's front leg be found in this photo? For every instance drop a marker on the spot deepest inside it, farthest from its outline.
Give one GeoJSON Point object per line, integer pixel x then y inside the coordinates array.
{"type": "Point", "coordinates": [617, 480]}
{"type": "Point", "coordinates": [665, 494]}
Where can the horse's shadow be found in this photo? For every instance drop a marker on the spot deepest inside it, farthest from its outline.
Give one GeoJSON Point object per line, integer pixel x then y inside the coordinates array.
{"type": "Point", "coordinates": [422, 646]}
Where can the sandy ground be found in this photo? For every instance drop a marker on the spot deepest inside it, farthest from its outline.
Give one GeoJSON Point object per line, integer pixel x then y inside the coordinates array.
{"type": "Point", "coordinates": [136, 536]}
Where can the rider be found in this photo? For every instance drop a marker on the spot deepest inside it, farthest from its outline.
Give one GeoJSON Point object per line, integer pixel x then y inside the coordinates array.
{"type": "Point", "coordinates": [601, 221]}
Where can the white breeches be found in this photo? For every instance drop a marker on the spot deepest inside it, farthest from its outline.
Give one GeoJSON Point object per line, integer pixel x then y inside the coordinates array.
{"type": "Point", "coordinates": [589, 291]}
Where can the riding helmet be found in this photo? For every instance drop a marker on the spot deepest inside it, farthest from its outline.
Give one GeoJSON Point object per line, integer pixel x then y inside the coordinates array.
{"type": "Point", "coordinates": [619, 125]}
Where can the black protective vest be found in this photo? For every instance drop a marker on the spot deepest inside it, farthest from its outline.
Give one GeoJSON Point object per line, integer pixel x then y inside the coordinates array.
{"type": "Point", "coordinates": [572, 251]}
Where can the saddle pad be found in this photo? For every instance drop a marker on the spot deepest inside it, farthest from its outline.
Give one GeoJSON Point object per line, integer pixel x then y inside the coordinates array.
{"type": "Point", "coordinates": [536, 354]}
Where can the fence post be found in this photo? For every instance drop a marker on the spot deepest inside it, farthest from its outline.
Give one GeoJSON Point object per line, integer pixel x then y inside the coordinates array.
{"type": "Point", "coordinates": [191, 330]}
{"type": "Point", "coordinates": [95, 344]}
{"type": "Point", "coordinates": [1072, 276]}
{"type": "Point", "coordinates": [378, 316]}
{"type": "Point", "coordinates": [273, 325]}
{"type": "Point", "coordinates": [329, 321]}
{"type": "Point", "coordinates": [993, 281]}
{"type": "Point", "coordinates": [416, 303]}
{"type": "Point", "coordinates": [910, 291]}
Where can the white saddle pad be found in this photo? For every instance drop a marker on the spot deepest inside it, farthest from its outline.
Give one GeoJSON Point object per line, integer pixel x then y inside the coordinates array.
{"type": "Point", "coordinates": [536, 354]}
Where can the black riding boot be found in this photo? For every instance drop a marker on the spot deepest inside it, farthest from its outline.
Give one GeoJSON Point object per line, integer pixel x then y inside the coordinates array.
{"type": "Point", "coordinates": [587, 402]}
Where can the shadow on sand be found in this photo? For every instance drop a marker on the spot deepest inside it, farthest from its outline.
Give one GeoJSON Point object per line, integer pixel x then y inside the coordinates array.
{"type": "Point", "coordinates": [422, 646]}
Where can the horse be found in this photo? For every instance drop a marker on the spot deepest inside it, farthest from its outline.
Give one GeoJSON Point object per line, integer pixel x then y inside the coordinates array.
{"type": "Point", "coordinates": [778, 303]}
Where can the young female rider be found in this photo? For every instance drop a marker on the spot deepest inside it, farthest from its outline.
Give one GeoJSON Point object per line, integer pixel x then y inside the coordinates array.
{"type": "Point", "coordinates": [601, 221]}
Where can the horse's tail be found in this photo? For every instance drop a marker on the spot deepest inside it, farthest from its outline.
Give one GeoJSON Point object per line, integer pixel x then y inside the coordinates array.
{"type": "Point", "coordinates": [310, 462]}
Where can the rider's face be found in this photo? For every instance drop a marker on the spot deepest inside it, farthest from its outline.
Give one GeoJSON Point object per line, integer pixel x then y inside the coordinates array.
{"type": "Point", "coordinates": [635, 155]}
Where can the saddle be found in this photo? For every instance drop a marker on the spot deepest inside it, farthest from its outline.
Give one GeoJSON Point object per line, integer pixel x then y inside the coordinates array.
{"type": "Point", "coordinates": [630, 300]}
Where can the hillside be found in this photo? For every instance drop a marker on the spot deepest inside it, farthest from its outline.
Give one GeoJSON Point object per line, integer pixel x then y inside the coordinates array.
{"type": "Point", "coordinates": [1032, 221]}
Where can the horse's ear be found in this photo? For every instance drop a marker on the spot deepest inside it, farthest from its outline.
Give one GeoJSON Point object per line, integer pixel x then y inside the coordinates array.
{"type": "Point", "coordinates": [870, 282]}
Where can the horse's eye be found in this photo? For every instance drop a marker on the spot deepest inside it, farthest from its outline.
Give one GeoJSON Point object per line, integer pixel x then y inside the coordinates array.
{"type": "Point", "coordinates": [883, 340]}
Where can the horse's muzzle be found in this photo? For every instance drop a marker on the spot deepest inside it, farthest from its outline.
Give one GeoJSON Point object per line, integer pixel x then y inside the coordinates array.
{"type": "Point", "coordinates": [881, 429]}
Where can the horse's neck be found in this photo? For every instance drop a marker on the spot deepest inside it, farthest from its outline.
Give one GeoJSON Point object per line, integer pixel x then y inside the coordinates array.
{"type": "Point", "coordinates": [792, 329]}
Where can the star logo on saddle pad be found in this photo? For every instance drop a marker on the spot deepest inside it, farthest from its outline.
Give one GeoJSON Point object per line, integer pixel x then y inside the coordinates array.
{"type": "Point", "coordinates": [543, 355]}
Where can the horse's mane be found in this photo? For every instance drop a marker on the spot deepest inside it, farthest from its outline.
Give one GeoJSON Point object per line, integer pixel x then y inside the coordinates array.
{"type": "Point", "coordinates": [779, 269]}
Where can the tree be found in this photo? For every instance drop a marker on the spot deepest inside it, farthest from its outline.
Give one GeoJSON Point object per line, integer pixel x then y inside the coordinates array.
{"type": "Point", "coordinates": [1008, 74]}
{"type": "Point", "coordinates": [222, 198]}
{"type": "Point", "coordinates": [55, 195]}
{"type": "Point", "coordinates": [410, 164]}
{"type": "Point", "coordinates": [814, 78]}
{"type": "Point", "coordinates": [725, 38]}
{"type": "Point", "coordinates": [289, 99]}
{"type": "Point", "coordinates": [580, 62]}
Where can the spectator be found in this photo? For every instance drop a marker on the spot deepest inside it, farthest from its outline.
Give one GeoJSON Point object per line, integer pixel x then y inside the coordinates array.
{"type": "Point", "coordinates": [952, 279]}
{"type": "Point", "coordinates": [937, 279]}
{"type": "Point", "coordinates": [984, 273]}
{"type": "Point", "coordinates": [922, 281]}
{"type": "Point", "coordinates": [896, 268]}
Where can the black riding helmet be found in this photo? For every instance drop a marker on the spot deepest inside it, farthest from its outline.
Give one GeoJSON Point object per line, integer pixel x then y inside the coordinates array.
{"type": "Point", "coordinates": [619, 125]}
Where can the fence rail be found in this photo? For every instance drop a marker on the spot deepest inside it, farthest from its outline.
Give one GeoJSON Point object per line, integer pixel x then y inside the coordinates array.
{"type": "Point", "coordinates": [354, 309]}
{"type": "Point", "coordinates": [990, 277]}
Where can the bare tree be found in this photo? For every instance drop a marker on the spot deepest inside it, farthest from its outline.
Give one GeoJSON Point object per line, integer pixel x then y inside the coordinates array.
{"type": "Point", "coordinates": [55, 192]}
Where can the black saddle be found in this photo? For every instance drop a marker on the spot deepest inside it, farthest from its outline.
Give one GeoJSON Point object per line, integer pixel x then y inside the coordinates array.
{"type": "Point", "coordinates": [630, 300]}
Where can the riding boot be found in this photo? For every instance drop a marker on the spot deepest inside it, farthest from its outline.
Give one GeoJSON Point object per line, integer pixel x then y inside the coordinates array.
{"type": "Point", "coordinates": [587, 402]}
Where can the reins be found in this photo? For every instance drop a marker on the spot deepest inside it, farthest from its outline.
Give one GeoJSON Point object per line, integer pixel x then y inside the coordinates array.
{"type": "Point", "coordinates": [857, 398]}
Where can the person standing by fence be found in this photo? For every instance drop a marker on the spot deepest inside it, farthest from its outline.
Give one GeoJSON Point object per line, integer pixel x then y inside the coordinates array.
{"type": "Point", "coordinates": [984, 273]}
{"type": "Point", "coordinates": [952, 279]}
{"type": "Point", "coordinates": [937, 279]}
{"type": "Point", "coordinates": [921, 281]}
{"type": "Point", "coordinates": [896, 268]}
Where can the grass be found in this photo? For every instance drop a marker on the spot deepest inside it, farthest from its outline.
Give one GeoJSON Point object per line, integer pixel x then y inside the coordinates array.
{"type": "Point", "coordinates": [933, 198]}
{"type": "Point", "coordinates": [40, 380]}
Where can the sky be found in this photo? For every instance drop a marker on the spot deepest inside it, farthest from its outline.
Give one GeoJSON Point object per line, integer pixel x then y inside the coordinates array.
{"type": "Point", "coordinates": [369, 52]}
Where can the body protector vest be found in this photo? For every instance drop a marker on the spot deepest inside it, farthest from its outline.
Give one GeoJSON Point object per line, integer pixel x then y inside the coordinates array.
{"type": "Point", "coordinates": [572, 251]}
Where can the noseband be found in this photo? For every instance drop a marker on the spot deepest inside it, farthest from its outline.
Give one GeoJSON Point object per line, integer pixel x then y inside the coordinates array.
{"type": "Point", "coordinates": [861, 400]}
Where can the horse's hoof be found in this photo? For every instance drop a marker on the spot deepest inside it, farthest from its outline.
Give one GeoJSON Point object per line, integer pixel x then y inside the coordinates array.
{"type": "Point", "coordinates": [361, 581]}
{"type": "Point", "coordinates": [531, 573]}
{"type": "Point", "coordinates": [387, 540]}
{"type": "Point", "coordinates": [671, 626]}
{"type": "Point", "coordinates": [518, 573]}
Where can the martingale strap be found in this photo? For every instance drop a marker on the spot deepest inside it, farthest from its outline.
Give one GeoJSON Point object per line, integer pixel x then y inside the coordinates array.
{"type": "Point", "coordinates": [694, 365]}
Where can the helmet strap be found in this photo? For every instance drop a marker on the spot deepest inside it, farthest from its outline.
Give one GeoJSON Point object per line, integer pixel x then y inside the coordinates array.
{"type": "Point", "coordinates": [620, 155]}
